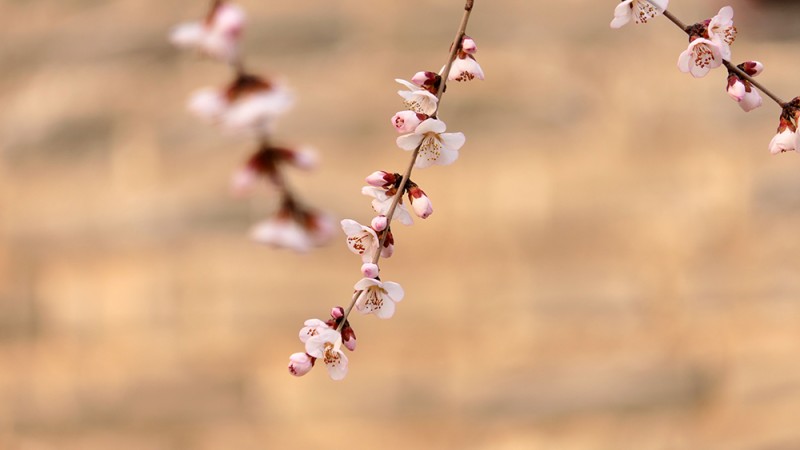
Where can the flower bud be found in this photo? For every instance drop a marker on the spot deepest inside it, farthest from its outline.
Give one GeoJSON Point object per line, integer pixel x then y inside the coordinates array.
{"type": "Point", "coordinates": [300, 364]}
{"type": "Point", "coordinates": [369, 270]}
{"type": "Point", "coordinates": [752, 68]}
{"type": "Point", "coordinates": [420, 202]}
{"type": "Point", "coordinates": [379, 223]}
{"type": "Point", "coordinates": [423, 78]}
{"type": "Point", "coordinates": [381, 179]}
{"type": "Point", "coordinates": [407, 121]}
{"type": "Point", "coordinates": [349, 338]}
{"type": "Point", "coordinates": [736, 89]}
{"type": "Point", "coordinates": [468, 46]}
{"type": "Point", "coordinates": [337, 312]}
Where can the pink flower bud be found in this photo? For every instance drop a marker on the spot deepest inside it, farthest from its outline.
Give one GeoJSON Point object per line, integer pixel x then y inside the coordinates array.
{"type": "Point", "coordinates": [420, 202]}
{"type": "Point", "coordinates": [468, 46]}
{"type": "Point", "coordinates": [349, 338]}
{"type": "Point", "coordinates": [422, 78]}
{"type": "Point", "coordinates": [752, 68]}
{"type": "Point", "coordinates": [736, 89]}
{"type": "Point", "coordinates": [381, 179]}
{"type": "Point", "coordinates": [369, 270]}
{"type": "Point", "coordinates": [337, 312]}
{"type": "Point", "coordinates": [407, 121]}
{"type": "Point", "coordinates": [379, 223]}
{"type": "Point", "coordinates": [300, 364]}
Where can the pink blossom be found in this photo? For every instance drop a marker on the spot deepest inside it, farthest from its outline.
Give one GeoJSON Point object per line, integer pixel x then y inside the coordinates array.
{"type": "Point", "coordinates": [700, 57]}
{"type": "Point", "coordinates": [435, 146]}
{"type": "Point", "coordinates": [300, 364]}
{"type": "Point", "coordinates": [468, 45]}
{"type": "Point", "coordinates": [297, 230]}
{"type": "Point", "coordinates": [640, 11]}
{"type": "Point", "coordinates": [407, 121]}
{"type": "Point", "coordinates": [248, 104]}
{"type": "Point", "coordinates": [420, 202]}
{"type": "Point", "coordinates": [418, 99]}
{"type": "Point", "coordinates": [742, 92]}
{"type": "Point", "coordinates": [379, 223]}
{"type": "Point", "coordinates": [218, 36]}
{"type": "Point", "coordinates": [312, 327]}
{"type": "Point", "coordinates": [465, 68]}
{"type": "Point", "coordinates": [722, 32]}
{"type": "Point", "coordinates": [363, 241]}
{"type": "Point", "coordinates": [326, 346]}
{"type": "Point", "coordinates": [784, 141]}
{"type": "Point", "coordinates": [382, 201]}
{"type": "Point", "coordinates": [752, 68]}
{"type": "Point", "coordinates": [369, 270]}
{"type": "Point", "coordinates": [378, 297]}
{"type": "Point", "coordinates": [381, 179]}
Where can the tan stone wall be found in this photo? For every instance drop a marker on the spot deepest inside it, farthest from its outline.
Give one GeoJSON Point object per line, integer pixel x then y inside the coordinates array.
{"type": "Point", "coordinates": [612, 263]}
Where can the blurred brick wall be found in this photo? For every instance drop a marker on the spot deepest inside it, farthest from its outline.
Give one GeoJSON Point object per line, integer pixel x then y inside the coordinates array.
{"type": "Point", "coordinates": [612, 263]}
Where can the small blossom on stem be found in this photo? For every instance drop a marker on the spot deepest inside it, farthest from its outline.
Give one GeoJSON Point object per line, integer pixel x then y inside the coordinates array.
{"type": "Point", "coordinates": [430, 81]}
{"type": "Point", "coordinates": [370, 270]}
{"type": "Point", "coordinates": [300, 364]}
{"type": "Point", "coordinates": [752, 68]}
{"type": "Point", "coordinates": [248, 104]}
{"type": "Point", "coordinates": [266, 162]}
{"type": "Point", "coordinates": [407, 121]}
{"type": "Point", "coordinates": [382, 179]}
{"type": "Point", "coordinates": [364, 241]}
{"type": "Point", "coordinates": [218, 36]}
{"type": "Point", "coordinates": [420, 202]}
{"type": "Point", "coordinates": [435, 146]}
{"type": "Point", "coordinates": [721, 31]}
{"type": "Point", "coordinates": [741, 90]}
{"type": "Point", "coordinates": [418, 99]}
{"type": "Point", "coordinates": [465, 67]}
{"type": "Point", "coordinates": [312, 327]}
{"type": "Point", "coordinates": [700, 57]}
{"type": "Point", "coordinates": [379, 223]}
{"type": "Point", "coordinates": [382, 201]}
{"type": "Point", "coordinates": [326, 346]}
{"type": "Point", "coordinates": [787, 139]}
{"type": "Point", "coordinates": [295, 228]}
{"type": "Point", "coordinates": [378, 297]}
{"type": "Point", "coordinates": [640, 11]}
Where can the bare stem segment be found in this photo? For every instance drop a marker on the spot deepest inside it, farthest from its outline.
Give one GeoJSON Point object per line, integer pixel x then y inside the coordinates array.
{"type": "Point", "coordinates": [407, 174]}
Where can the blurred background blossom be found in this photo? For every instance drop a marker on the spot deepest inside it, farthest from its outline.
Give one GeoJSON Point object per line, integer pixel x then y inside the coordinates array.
{"type": "Point", "coordinates": [612, 263]}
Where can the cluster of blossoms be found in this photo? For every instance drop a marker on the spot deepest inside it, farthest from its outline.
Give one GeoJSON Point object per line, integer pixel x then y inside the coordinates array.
{"type": "Point", "coordinates": [251, 104]}
{"type": "Point", "coordinates": [423, 134]}
{"type": "Point", "coordinates": [709, 48]}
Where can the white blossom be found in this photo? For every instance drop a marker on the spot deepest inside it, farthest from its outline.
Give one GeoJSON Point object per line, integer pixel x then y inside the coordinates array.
{"type": "Point", "coordinates": [640, 11]}
{"type": "Point", "coordinates": [378, 297]}
{"type": "Point", "coordinates": [435, 146]}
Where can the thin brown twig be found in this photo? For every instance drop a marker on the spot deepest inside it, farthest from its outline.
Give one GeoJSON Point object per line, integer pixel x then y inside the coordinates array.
{"type": "Point", "coordinates": [407, 175]}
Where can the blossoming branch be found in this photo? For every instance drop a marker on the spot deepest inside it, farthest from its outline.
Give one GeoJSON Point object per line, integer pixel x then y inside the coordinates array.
{"type": "Point", "coordinates": [710, 48]}
{"type": "Point", "coordinates": [251, 104]}
{"type": "Point", "coordinates": [422, 134]}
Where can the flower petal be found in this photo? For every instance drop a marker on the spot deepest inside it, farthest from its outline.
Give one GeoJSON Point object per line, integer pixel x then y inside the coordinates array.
{"type": "Point", "coordinates": [431, 126]}
{"type": "Point", "coordinates": [394, 290]}
{"type": "Point", "coordinates": [409, 141]}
